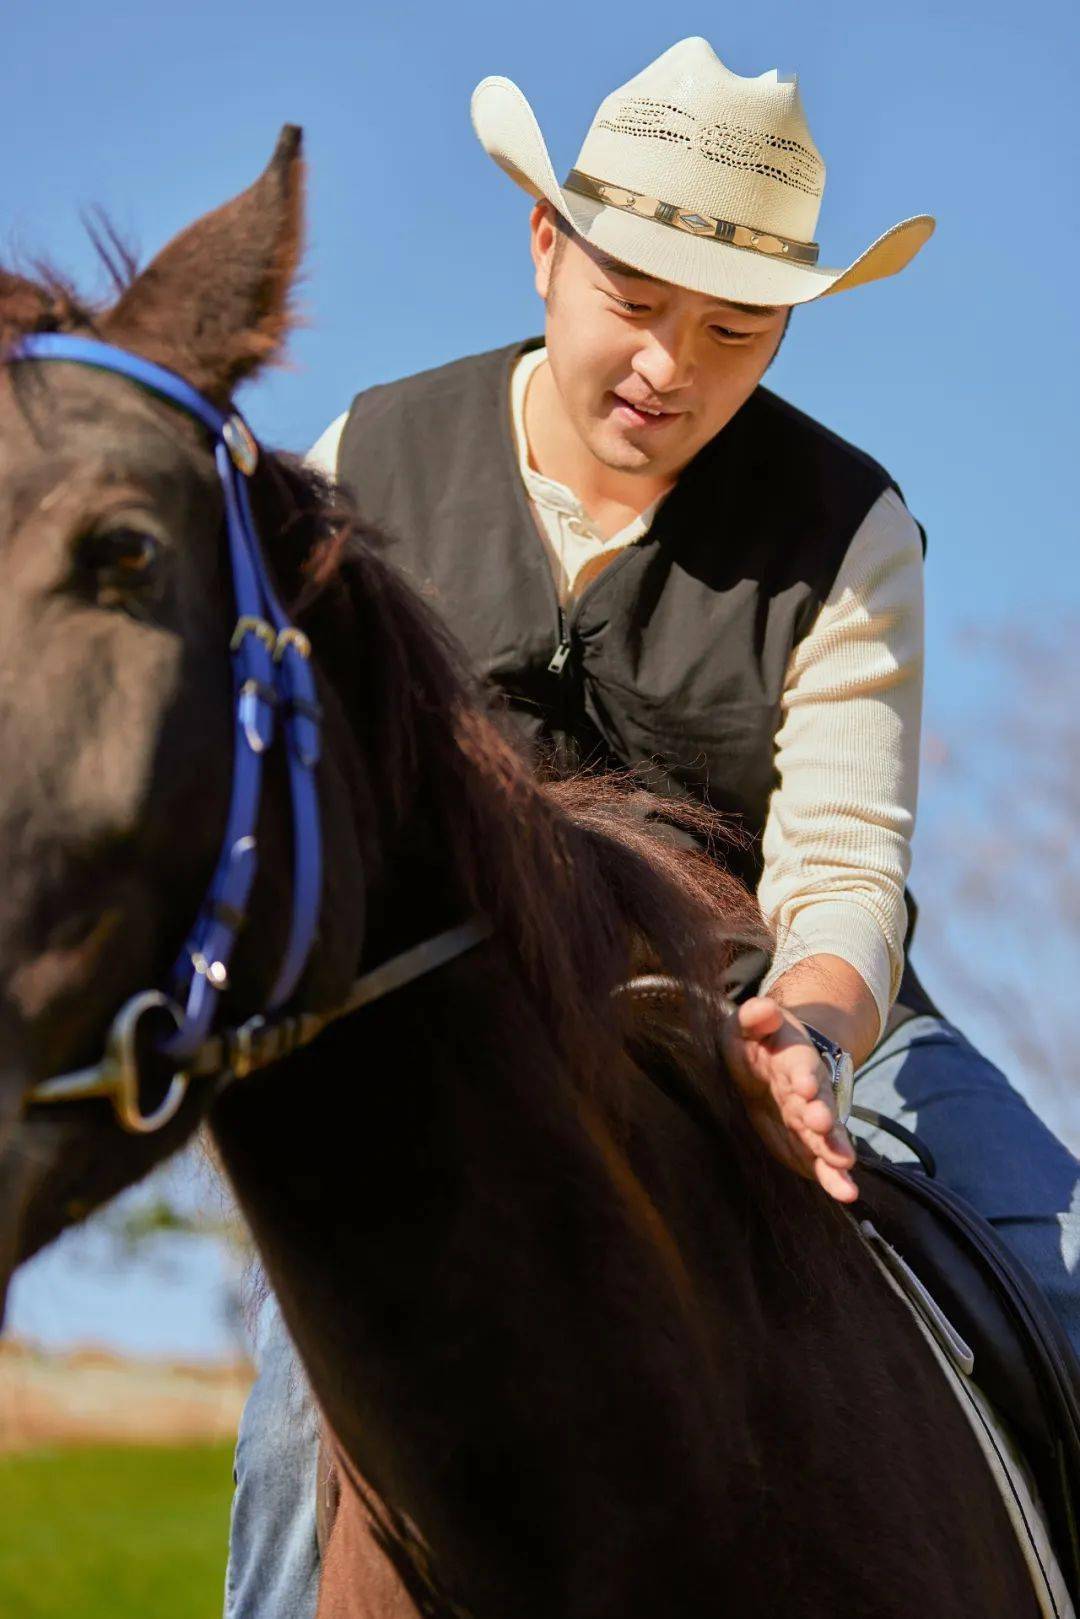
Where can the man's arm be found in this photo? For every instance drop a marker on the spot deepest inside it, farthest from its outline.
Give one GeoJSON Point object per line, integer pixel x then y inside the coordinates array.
{"type": "Point", "coordinates": [837, 844]}
{"type": "Point", "coordinates": [837, 840]}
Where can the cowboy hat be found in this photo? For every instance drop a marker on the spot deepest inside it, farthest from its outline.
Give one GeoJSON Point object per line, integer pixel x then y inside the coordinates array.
{"type": "Point", "coordinates": [695, 176]}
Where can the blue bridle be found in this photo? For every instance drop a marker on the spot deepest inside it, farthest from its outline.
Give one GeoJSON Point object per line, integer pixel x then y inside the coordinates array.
{"type": "Point", "coordinates": [272, 680]}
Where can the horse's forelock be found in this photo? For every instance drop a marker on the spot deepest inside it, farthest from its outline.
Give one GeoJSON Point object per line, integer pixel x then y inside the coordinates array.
{"type": "Point", "coordinates": [47, 303]}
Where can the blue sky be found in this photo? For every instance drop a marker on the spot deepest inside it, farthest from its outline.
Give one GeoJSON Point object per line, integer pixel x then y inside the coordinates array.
{"type": "Point", "coordinates": [960, 375]}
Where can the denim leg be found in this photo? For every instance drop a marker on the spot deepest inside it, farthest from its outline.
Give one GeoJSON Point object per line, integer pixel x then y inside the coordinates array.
{"type": "Point", "coordinates": [273, 1570]}
{"type": "Point", "coordinates": [989, 1146]}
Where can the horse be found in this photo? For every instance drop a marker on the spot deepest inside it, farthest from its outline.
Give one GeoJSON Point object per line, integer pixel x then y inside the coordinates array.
{"type": "Point", "coordinates": [583, 1347]}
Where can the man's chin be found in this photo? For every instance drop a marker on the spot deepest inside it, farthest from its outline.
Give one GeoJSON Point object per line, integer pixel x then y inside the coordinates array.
{"type": "Point", "coordinates": [623, 455]}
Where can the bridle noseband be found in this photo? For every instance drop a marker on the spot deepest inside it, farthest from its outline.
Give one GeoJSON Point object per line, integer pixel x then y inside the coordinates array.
{"type": "Point", "coordinates": [274, 695]}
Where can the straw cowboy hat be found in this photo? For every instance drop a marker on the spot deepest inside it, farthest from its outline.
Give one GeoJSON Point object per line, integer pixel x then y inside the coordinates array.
{"type": "Point", "coordinates": [696, 176]}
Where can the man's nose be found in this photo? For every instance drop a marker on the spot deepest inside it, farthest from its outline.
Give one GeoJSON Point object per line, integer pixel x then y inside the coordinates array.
{"type": "Point", "coordinates": [666, 359]}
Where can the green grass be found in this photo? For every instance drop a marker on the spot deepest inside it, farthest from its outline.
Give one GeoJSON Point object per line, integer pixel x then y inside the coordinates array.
{"type": "Point", "coordinates": [114, 1532]}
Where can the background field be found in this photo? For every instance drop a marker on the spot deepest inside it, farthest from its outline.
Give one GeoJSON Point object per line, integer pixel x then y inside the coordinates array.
{"type": "Point", "coordinates": [115, 1484]}
{"type": "Point", "coordinates": [112, 1532]}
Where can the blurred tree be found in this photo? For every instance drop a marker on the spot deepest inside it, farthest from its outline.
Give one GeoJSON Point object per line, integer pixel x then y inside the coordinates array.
{"type": "Point", "coordinates": [997, 868]}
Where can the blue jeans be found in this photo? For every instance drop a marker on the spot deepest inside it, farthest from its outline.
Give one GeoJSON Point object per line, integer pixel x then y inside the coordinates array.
{"type": "Point", "coordinates": [989, 1146]}
{"type": "Point", "coordinates": [273, 1570]}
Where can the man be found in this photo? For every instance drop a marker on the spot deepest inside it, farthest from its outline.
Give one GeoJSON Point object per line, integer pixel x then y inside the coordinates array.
{"type": "Point", "coordinates": [655, 559]}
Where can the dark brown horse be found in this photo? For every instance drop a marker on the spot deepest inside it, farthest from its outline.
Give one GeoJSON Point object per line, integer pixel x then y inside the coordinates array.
{"type": "Point", "coordinates": [586, 1351]}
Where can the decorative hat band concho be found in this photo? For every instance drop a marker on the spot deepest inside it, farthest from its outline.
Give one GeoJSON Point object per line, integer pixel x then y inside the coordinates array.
{"type": "Point", "coordinates": [694, 224]}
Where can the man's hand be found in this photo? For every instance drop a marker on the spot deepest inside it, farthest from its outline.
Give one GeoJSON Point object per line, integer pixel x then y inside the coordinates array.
{"type": "Point", "coordinates": [786, 1087]}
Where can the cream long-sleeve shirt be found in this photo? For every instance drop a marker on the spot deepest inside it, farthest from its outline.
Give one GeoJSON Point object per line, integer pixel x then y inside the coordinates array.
{"type": "Point", "coordinates": [837, 840]}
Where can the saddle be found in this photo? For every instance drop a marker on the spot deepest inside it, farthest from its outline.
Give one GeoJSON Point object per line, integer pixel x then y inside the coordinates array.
{"type": "Point", "coordinates": [1023, 1361]}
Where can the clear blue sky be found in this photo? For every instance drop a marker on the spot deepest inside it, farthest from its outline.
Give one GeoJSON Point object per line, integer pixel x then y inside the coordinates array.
{"type": "Point", "coordinates": [960, 375]}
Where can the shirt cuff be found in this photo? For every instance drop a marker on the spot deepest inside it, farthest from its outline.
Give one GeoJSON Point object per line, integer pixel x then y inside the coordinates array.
{"type": "Point", "coordinates": [849, 930]}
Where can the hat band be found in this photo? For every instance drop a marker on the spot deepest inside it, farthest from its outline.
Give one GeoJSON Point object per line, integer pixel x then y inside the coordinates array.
{"type": "Point", "coordinates": [693, 223]}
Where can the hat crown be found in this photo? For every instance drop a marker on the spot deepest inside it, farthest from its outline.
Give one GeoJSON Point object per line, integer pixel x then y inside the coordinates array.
{"type": "Point", "coordinates": [691, 132]}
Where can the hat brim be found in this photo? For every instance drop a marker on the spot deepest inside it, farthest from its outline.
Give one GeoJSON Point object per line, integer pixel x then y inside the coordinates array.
{"type": "Point", "coordinates": [508, 131]}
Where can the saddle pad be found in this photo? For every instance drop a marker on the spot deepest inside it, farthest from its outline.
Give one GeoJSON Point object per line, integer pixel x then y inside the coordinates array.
{"type": "Point", "coordinates": [1006, 1467]}
{"type": "Point", "coordinates": [1024, 1362]}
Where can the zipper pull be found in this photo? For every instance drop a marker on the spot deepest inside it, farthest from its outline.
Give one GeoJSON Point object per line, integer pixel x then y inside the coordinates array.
{"type": "Point", "coordinates": [558, 662]}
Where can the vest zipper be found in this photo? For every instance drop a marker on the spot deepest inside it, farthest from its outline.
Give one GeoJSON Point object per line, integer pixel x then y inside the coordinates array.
{"type": "Point", "coordinates": [562, 651]}
{"type": "Point", "coordinates": [567, 620]}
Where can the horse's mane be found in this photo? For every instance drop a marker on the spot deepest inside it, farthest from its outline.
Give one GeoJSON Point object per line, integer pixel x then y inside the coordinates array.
{"type": "Point", "coordinates": [589, 877]}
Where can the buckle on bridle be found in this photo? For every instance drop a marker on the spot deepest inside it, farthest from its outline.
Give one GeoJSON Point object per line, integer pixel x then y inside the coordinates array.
{"type": "Point", "coordinates": [258, 1042]}
{"type": "Point", "coordinates": [241, 444]}
{"type": "Point", "coordinates": [123, 1059]}
{"type": "Point", "coordinates": [248, 624]}
{"type": "Point", "coordinates": [243, 1053]}
{"type": "Point", "coordinates": [290, 636]}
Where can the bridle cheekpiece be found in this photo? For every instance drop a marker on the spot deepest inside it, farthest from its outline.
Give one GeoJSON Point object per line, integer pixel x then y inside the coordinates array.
{"type": "Point", "coordinates": [274, 689]}
{"type": "Point", "coordinates": [272, 682]}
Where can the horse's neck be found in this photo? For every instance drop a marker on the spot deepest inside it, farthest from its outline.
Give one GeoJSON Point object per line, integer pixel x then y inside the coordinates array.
{"type": "Point", "coordinates": [474, 1273]}
{"type": "Point", "coordinates": [575, 1362]}
{"type": "Point", "coordinates": [494, 1278]}
{"type": "Point", "coordinates": [584, 1355]}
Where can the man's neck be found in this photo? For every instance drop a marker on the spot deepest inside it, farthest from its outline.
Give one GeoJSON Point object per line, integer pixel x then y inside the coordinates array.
{"type": "Point", "coordinates": [612, 499]}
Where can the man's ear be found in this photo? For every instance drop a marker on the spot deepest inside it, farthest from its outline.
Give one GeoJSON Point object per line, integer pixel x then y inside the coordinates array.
{"type": "Point", "coordinates": [545, 244]}
{"type": "Point", "coordinates": [214, 304]}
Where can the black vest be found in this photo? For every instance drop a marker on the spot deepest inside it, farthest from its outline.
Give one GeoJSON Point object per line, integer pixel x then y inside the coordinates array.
{"type": "Point", "coordinates": [676, 654]}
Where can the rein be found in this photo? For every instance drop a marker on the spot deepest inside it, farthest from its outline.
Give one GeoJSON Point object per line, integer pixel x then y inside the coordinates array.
{"type": "Point", "coordinates": [272, 678]}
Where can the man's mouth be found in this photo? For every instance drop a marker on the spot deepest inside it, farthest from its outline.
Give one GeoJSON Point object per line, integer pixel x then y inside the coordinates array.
{"type": "Point", "coordinates": [637, 415]}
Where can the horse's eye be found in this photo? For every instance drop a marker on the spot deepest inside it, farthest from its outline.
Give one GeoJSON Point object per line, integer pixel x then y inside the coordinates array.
{"type": "Point", "coordinates": [122, 556]}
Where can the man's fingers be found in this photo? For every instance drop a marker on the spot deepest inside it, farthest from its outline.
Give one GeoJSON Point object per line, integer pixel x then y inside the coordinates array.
{"type": "Point", "coordinates": [840, 1145]}
{"type": "Point", "coordinates": [818, 1116]}
{"type": "Point", "coordinates": [837, 1182]}
{"type": "Point", "coordinates": [822, 1147]}
{"type": "Point", "coordinates": [816, 1127]}
{"type": "Point", "coordinates": [806, 1081]}
{"type": "Point", "coordinates": [787, 1084]}
{"type": "Point", "coordinates": [792, 1072]}
{"type": "Point", "coordinates": [758, 1018]}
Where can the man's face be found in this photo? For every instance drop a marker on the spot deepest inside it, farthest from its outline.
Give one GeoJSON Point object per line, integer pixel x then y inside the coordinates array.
{"type": "Point", "coordinates": [622, 347]}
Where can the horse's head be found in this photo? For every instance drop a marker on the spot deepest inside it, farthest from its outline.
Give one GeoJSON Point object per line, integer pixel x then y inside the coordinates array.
{"type": "Point", "coordinates": [116, 705]}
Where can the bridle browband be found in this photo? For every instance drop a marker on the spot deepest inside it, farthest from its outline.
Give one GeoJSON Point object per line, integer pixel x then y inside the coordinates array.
{"type": "Point", "coordinates": [272, 681]}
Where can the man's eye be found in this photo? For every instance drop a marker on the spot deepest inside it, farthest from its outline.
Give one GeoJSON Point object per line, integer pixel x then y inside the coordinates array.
{"type": "Point", "coordinates": [729, 335]}
{"type": "Point", "coordinates": [625, 304]}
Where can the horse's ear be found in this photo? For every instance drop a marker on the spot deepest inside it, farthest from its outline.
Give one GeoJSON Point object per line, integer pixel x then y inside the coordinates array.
{"type": "Point", "coordinates": [214, 304]}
